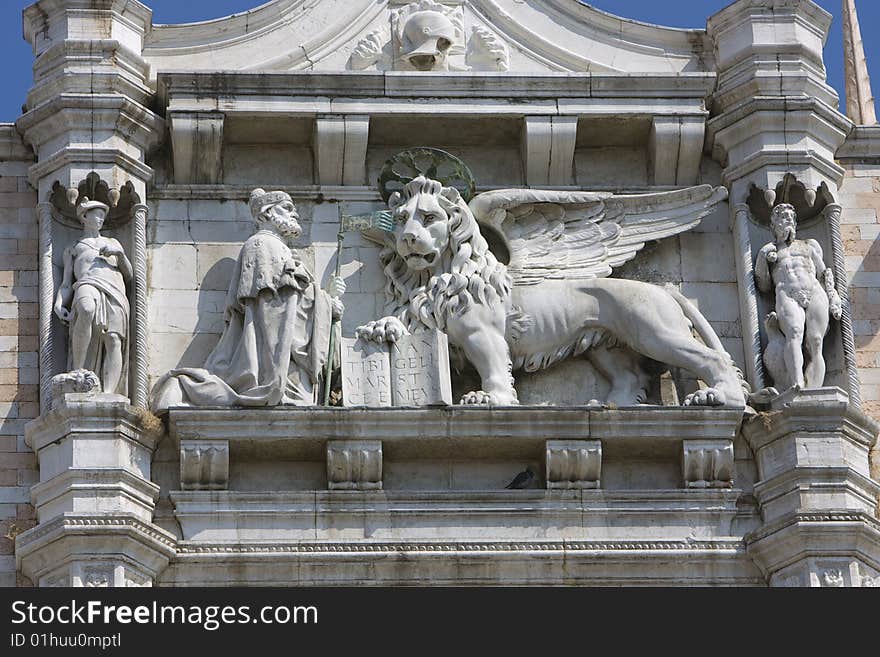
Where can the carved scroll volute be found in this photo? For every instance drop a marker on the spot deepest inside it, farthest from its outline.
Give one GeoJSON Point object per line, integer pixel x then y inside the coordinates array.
{"type": "Point", "coordinates": [204, 464]}
{"type": "Point", "coordinates": [354, 464]}
{"type": "Point", "coordinates": [573, 463]}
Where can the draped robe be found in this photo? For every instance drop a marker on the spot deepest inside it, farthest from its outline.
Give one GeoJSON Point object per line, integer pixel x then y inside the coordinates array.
{"type": "Point", "coordinates": [275, 340]}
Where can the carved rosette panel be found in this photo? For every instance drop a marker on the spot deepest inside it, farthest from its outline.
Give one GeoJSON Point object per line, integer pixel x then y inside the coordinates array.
{"type": "Point", "coordinates": [707, 463]}
{"type": "Point", "coordinates": [354, 464]}
{"type": "Point", "coordinates": [573, 463]}
{"type": "Point", "coordinates": [204, 464]}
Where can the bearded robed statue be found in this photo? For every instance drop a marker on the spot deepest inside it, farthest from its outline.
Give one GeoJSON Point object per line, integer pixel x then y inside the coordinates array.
{"type": "Point", "coordinates": [278, 320]}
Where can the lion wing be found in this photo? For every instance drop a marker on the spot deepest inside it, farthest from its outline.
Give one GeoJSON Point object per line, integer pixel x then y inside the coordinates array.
{"type": "Point", "coordinates": [575, 235]}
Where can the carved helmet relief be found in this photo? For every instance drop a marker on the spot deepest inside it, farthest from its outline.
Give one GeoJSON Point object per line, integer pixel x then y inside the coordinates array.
{"type": "Point", "coordinates": [425, 34]}
{"type": "Point", "coordinates": [427, 38]}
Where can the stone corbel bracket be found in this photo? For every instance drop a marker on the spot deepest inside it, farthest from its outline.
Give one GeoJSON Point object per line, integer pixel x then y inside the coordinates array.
{"type": "Point", "coordinates": [675, 149]}
{"type": "Point", "coordinates": [341, 149]}
{"type": "Point", "coordinates": [354, 465]}
{"type": "Point", "coordinates": [548, 144]}
{"type": "Point", "coordinates": [573, 463]}
{"type": "Point", "coordinates": [707, 463]}
{"type": "Point", "coordinates": [197, 145]}
{"type": "Point", "coordinates": [204, 464]}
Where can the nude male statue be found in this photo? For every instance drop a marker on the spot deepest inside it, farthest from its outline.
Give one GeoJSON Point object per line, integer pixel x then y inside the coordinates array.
{"type": "Point", "coordinates": [805, 295]}
{"type": "Point", "coordinates": [93, 302]}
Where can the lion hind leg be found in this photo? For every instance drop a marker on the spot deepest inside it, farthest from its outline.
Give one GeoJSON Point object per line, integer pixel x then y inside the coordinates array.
{"type": "Point", "coordinates": [623, 370]}
{"type": "Point", "coordinates": [714, 368]}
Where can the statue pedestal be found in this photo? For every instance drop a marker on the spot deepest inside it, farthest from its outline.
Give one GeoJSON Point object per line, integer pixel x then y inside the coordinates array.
{"type": "Point", "coordinates": [815, 493]}
{"type": "Point", "coordinates": [95, 499]}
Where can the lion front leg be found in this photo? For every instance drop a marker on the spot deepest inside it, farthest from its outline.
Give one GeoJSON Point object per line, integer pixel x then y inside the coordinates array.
{"type": "Point", "coordinates": [484, 346]}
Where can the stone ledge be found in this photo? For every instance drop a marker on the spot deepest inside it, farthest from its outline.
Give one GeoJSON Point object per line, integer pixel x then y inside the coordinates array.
{"type": "Point", "coordinates": [85, 416]}
{"type": "Point", "coordinates": [452, 431]}
{"type": "Point", "coordinates": [370, 517]}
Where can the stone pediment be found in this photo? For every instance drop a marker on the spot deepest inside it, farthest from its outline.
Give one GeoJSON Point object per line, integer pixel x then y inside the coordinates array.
{"type": "Point", "coordinates": [474, 35]}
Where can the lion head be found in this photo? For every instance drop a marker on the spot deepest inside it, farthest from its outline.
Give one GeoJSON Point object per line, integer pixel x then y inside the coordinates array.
{"type": "Point", "coordinates": [438, 264]}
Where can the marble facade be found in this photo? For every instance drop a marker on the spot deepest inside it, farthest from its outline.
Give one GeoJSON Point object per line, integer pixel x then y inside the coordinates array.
{"type": "Point", "coordinates": [571, 122]}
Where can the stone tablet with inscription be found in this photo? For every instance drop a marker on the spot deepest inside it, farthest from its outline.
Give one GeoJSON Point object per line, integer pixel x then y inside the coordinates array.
{"type": "Point", "coordinates": [366, 374]}
{"type": "Point", "coordinates": [420, 370]}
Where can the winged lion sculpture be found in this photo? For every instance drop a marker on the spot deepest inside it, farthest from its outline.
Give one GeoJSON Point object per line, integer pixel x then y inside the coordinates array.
{"type": "Point", "coordinates": [553, 298]}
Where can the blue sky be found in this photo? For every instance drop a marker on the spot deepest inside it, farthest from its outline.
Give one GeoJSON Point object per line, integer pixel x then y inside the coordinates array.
{"type": "Point", "coordinates": [16, 53]}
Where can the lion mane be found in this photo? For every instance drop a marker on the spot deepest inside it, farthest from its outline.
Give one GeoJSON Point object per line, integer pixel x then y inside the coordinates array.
{"type": "Point", "coordinates": [468, 272]}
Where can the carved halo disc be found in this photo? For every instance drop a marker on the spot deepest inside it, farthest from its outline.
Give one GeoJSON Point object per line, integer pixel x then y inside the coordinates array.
{"type": "Point", "coordinates": [432, 163]}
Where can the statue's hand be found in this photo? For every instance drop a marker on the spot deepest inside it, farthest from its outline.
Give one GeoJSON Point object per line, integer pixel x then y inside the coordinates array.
{"type": "Point", "coordinates": [336, 287]}
{"type": "Point", "coordinates": [770, 253]}
{"type": "Point", "coordinates": [835, 307]}
{"type": "Point", "coordinates": [63, 314]}
{"type": "Point", "coordinates": [336, 308]}
{"type": "Point", "coordinates": [387, 329]}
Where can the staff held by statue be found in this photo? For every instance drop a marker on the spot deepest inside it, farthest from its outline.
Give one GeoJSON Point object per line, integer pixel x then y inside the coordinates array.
{"type": "Point", "coordinates": [372, 221]}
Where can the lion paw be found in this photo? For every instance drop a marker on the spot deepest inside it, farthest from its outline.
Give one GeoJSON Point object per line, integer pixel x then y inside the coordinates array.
{"type": "Point", "coordinates": [387, 329]}
{"type": "Point", "coordinates": [483, 398]}
{"type": "Point", "coordinates": [706, 397]}
{"type": "Point", "coordinates": [477, 398]}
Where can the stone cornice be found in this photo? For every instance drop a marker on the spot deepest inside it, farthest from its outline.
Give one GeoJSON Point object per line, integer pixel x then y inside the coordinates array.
{"type": "Point", "coordinates": [96, 524]}
{"type": "Point", "coordinates": [82, 155]}
{"type": "Point", "coordinates": [684, 548]}
{"type": "Point", "coordinates": [797, 536]}
{"type": "Point", "coordinates": [12, 147]}
{"type": "Point", "coordinates": [803, 417]}
{"type": "Point", "coordinates": [863, 143]}
{"type": "Point", "coordinates": [97, 112]}
{"type": "Point", "coordinates": [775, 104]}
{"type": "Point", "coordinates": [353, 84]}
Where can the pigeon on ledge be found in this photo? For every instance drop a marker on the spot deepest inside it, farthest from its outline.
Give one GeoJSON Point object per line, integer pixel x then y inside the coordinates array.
{"type": "Point", "coordinates": [522, 480]}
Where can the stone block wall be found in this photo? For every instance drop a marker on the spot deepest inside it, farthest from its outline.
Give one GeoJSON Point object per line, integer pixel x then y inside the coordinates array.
{"type": "Point", "coordinates": [19, 374]}
{"type": "Point", "coordinates": [860, 198]}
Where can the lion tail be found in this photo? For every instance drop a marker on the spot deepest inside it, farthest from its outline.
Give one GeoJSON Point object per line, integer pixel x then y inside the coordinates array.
{"type": "Point", "coordinates": [707, 333]}
{"type": "Point", "coordinates": [702, 326]}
